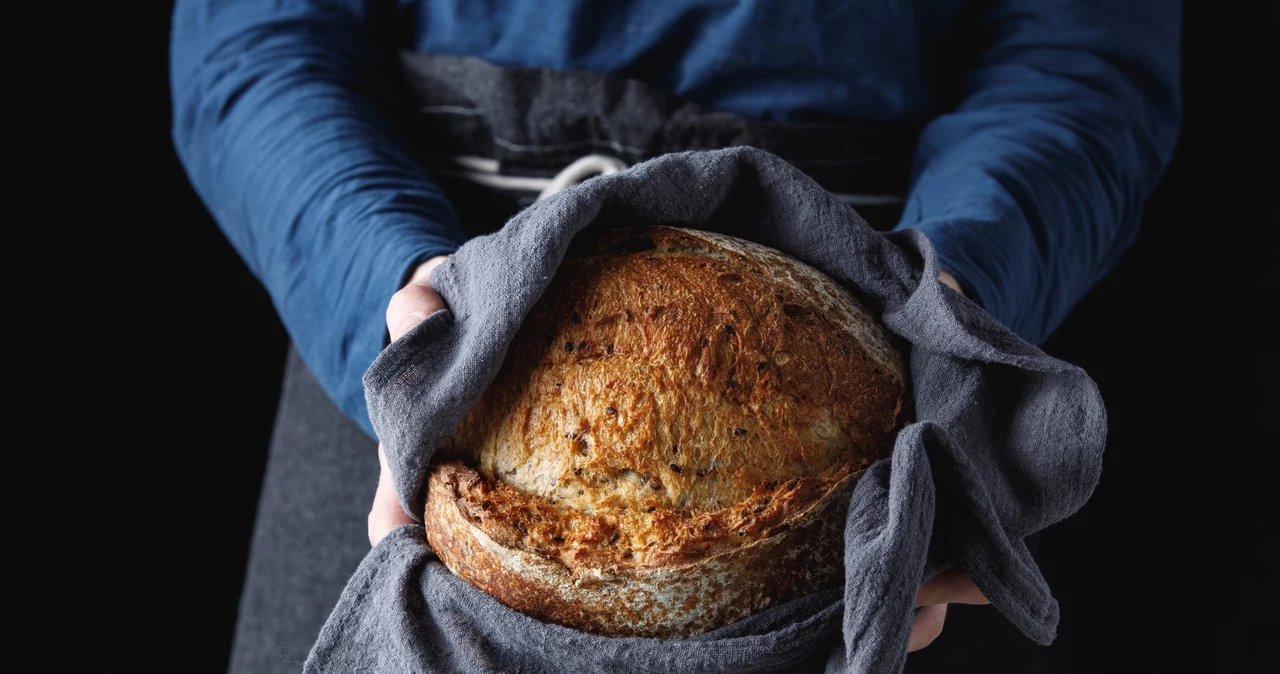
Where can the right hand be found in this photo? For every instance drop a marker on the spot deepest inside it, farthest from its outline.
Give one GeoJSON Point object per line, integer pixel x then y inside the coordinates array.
{"type": "Point", "coordinates": [408, 307]}
{"type": "Point", "coordinates": [415, 301]}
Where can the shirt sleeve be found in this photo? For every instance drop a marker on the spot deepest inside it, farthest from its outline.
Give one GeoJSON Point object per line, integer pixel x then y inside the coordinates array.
{"type": "Point", "coordinates": [282, 120]}
{"type": "Point", "coordinates": [1032, 188]}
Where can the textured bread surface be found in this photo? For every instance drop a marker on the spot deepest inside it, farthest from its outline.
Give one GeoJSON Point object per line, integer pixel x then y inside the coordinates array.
{"type": "Point", "coordinates": [671, 441]}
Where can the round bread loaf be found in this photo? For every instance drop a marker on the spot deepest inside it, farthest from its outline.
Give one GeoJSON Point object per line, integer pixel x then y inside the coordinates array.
{"type": "Point", "coordinates": [671, 442]}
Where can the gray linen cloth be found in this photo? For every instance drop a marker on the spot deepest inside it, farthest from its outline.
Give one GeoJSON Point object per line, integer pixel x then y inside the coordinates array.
{"type": "Point", "coordinates": [1006, 441]}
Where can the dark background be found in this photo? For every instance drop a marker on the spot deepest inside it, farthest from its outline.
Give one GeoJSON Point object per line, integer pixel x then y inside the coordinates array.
{"type": "Point", "coordinates": [1171, 564]}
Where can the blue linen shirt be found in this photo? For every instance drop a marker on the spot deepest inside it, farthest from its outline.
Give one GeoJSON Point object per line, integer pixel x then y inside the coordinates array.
{"type": "Point", "coordinates": [1029, 177]}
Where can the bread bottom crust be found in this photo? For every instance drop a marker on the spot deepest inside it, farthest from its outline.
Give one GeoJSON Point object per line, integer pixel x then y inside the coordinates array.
{"type": "Point", "coordinates": [804, 554]}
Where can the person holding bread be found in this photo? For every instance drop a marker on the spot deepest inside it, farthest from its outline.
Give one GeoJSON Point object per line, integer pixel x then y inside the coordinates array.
{"type": "Point", "coordinates": [347, 149]}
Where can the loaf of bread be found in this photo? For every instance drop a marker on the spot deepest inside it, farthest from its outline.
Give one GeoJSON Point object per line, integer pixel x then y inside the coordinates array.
{"type": "Point", "coordinates": [671, 442]}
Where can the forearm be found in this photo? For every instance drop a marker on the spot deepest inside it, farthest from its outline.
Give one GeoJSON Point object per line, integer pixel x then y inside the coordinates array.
{"type": "Point", "coordinates": [1033, 188]}
{"type": "Point", "coordinates": [280, 120]}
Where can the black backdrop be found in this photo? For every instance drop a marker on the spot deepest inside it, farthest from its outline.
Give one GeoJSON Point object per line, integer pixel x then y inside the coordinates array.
{"type": "Point", "coordinates": [1171, 564]}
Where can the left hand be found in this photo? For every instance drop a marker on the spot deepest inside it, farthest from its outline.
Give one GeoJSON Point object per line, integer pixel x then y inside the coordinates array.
{"type": "Point", "coordinates": [950, 587]}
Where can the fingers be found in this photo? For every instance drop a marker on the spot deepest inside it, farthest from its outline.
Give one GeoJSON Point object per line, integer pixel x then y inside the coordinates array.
{"type": "Point", "coordinates": [413, 303]}
{"type": "Point", "coordinates": [949, 281]}
{"type": "Point", "coordinates": [386, 513]}
{"type": "Point", "coordinates": [927, 626]}
{"type": "Point", "coordinates": [950, 587]}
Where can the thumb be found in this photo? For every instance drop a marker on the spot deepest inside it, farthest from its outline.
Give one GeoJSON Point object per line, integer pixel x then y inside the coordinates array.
{"type": "Point", "coordinates": [386, 513]}
{"type": "Point", "coordinates": [415, 301]}
{"type": "Point", "coordinates": [410, 306]}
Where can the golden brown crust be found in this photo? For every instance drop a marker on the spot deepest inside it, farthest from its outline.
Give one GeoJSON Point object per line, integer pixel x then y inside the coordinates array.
{"type": "Point", "coordinates": [620, 540]}
{"type": "Point", "coordinates": [668, 601]}
{"type": "Point", "coordinates": [675, 398]}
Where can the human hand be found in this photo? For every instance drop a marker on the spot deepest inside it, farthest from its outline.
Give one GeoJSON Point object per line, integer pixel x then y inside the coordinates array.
{"type": "Point", "coordinates": [949, 280]}
{"type": "Point", "coordinates": [949, 587]}
{"type": "Point", "coordinates": [415, 301]}
{"type": "Point", "coordinates": [408, 307]}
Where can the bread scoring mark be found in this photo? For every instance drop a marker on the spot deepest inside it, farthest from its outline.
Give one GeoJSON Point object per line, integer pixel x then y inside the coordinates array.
{"type": "Point", "coordinates": [651, 394]}
{"type": "Point", "coordinates": [790, 404]}
{"type": "Point", "coordinates": [833, 297]}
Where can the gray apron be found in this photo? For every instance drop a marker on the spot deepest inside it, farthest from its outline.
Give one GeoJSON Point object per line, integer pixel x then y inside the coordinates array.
{"type": "Point", "coordinates": [495, 138]}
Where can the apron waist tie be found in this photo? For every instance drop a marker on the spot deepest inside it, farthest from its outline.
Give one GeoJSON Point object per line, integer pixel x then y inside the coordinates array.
{"type": "Point", "coordinates": [584, 167]}
{"type": "Point", "coordinates": [484, 171]}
